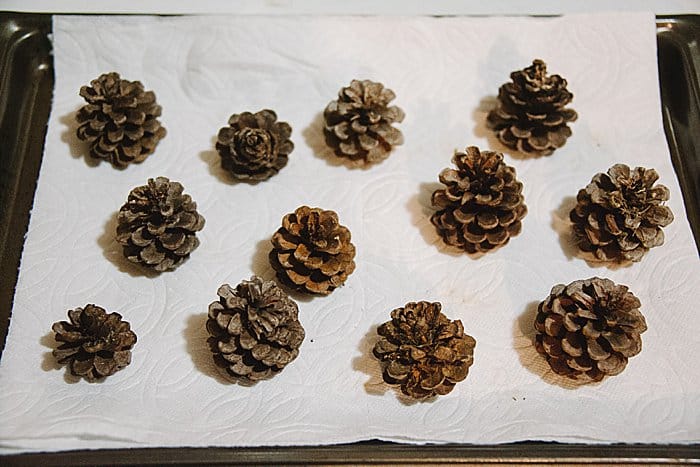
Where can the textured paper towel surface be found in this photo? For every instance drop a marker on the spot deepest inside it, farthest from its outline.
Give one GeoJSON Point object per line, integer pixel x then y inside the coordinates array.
{"type": "Point", "coordinates": [445, 73]}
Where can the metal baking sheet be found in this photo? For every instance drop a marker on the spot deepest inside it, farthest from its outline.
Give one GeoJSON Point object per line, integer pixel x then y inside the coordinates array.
{"type": "Point", "coordinates": [26, 86]}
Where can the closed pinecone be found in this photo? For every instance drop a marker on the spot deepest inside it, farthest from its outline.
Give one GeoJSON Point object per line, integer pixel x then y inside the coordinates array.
{"type": "Point", "coordinates": [254, 146]}
{"type": "Point", "coordinates": [482, 205]}
{"type": "Point", "coordinates": [531, 116]}
{"type": "Point", "coordinates": [423, 351]}
{"type": "Point", "coordinates": [120, 120]}
{"type": "Point", "coordinates": [254, 330]}
{"type": "Point", "coordinates": [588, 329]}
{"type": "Point", "coordinates": [95, 344]}
{"type": "Point", "coordinates": [358, 125]}
{"type": "Point", "coordinates": [312, 252]}
{"type": "Point", "coordinates": [157, 225]}
{"type": "Point", "coordinates": [619, 216]}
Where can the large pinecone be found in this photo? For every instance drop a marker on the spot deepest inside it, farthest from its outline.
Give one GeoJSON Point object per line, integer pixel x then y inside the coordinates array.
{"type": "Point", "coordinates": [157, 225]}
{"type": "Point", "coordinates": [588, 329]}
{"type": "Point", "coordinates": [423, 351]}
{"type": "Point", "coordinates": [482, 206]}
{"type": "Point", "coordinates": [358, 125]}
{"type": "Point", "coordinates": [254, 146]}
{"type": "Point", "coordinates": [531, 116]}
{"type": "Point", "coordinates": [120, 120]}
{"type": "Point", "coordinates": [94, 344]}
{"type": "Point", "coordinates": [619, 215]}
{"type": "Point", "coordinates": [254, 330]}
{"type": "Point", "coordinates": [312, 252]}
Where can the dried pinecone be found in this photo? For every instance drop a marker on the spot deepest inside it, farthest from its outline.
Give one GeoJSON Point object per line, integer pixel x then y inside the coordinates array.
{"type": "Point", "coordinates": [120, 120]}
{"type": "Point", "coordinates": [312, 251]}
{"type": "Point", "coordinates": [254, 146]}
{"type": "Point", "coordinates": [423, 351]}
{"type": "Point", "coordinates": [358, 125]}
{"type": "Point", "coordinates": [157, 225]}
{"type": "Point", "coordinates": [94, 344]}
{"type": "Point", "coordinates": [530, 115]}
{"type": "Point", "coordinates": [588, 329]}
{"type": "Point", "coordinates": [619, 216]}
{"type": "Point", "coordinates": [254, 330]}
{"type": "Point", "coordinates": [482, 206]}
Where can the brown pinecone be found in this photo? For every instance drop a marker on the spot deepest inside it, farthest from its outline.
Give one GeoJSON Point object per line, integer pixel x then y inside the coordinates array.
{"type": "Point", "coordinates": [254, 330]}
{"type": "Point", "coordinates": [482, 206]}
{"type": "Point", "coordinates": [94, 344]}
{"type": "Point", "coordinates": [588, 329]}
{"type": "Point", "coordinates": [619, 215]}
{"type": "Point", "coordinates": [358, 125]}
{"type": "Point", "coordinates": [423, 351]}
{"type": "Point", "coordinates": [312, 251]}
{"type": "Point", "coordinates": [254, 146]}
{"type": "Point", "coordinates": [157, 225]}
{"type": "Point", "coordinates": [120, 120]}
{"type": "Point", "coordinates": [531, 116]}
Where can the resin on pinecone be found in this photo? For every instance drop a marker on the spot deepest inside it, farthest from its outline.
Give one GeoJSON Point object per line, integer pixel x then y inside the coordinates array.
{"type": "Point", "coordinates": [312, 252]}
{"type": "Point", "coordinates": [482, 205]}
{"type": "Point", "coordinates": [359, 124]}
{"type": "Point", "coordinates": [94, 344]}
{"type": "Point", "coordinates": [158, 225]}
{"type": "Point", "coordinates": [588, 330]}
{"type": "Point", "coordinates": [255, 330]}
{"type": "Point", "coordinates": [120, 120]}
{"type": "Point", "coordinates": [255, 146]}
{"type": "Point", "coordinates": [531, 115]}
{"type": "Point", "coordinates": [423, 351]}
{"type": "Point", "coordinates": [619, 216]}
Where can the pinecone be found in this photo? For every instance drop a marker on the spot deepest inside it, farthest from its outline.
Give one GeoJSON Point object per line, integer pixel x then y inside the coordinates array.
{"type": "Point", "coordinates": [312, 252]}
{"type": "Point", "coordinates": [619, 216]}
{"type": "Point", "coordinates": [423, 351]}
{"type": "Point", "coordinates": [94, 344]}
{"type": "Point", "coordinates": [157, 225]}
{"type": "Point", "coordinates": [530, 116]}
{"type": "Point", "coordinates": [482, 206]}
{"type": "Point", "coordinates": [254, 330]}
{"type": "Point", "coordinates": [358, 125]}
{"type": "Point", "coordinates": [588, 329]}
{"type": "Point", "coordinates": [254, 146]}
{"type": "Point", "coordinates": [120, 120]}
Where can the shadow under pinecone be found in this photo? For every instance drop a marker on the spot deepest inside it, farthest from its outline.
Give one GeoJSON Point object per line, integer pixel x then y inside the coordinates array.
{"type": "Point", "coordinates": [49, 362]}
{"type": "Point", "coordinates": [113, 251]}
{"type": "Point", "coordinates": [196, 337]}
{"type": "Point", "coordinates": [78, 148]}
{"type": "Point", "coordinates": [313, 136]}
{"type": "Point", "coordinates": [486, 104]}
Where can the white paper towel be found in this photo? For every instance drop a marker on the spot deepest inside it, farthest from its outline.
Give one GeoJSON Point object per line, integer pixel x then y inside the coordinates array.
{"type": "Point", "coordinates": [445, 72]}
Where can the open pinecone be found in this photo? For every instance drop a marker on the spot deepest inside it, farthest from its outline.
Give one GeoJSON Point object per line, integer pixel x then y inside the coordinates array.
{"type": "Point", "coordinates": [482, 205]}
{"type": "Point", "coordinates": [120, 120]}
{"type": "Point", "coordinates": [312, 252]}
{"type": "Point", "coordinates": [588, 329]}
{"type": "Point", "coordinates": [619, 216]}
{"type": "Point", "coordinates": [423, 351]}
{"type": "Point", "coordinates": [157, 225]}
{"type": "Point", "coordinates": [531, 116]}
{"type": "Point", "coordinates": [94, 344]}
{"type": "Point", "coordinates": [358, 125]}
{"type": "Point", "coordinates": [254, 330]}
{"type": "Point", "coordinates": [254, 146]}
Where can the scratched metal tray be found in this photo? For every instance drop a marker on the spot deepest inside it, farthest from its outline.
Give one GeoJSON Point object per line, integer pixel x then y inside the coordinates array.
{"type": "Point", "coordinates": [26, 88]}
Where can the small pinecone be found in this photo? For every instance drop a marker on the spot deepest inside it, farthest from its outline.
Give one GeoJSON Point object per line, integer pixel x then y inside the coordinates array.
{"type": "Point", "coordinates": [588, 329]}
{"type": "Point", "coordinates": [482, 206]}
{"type": "Point", "coordinates": [95, 344]}
{"type": "Point", "coordinates": [312, 251]}
{"type": "Point", "coordinates": [423, 351]}
{"type": "Point", "coordinates": [157, 225]}
{"type": "Point", "coordinates": [618, 216]}
{"type": "Point", "coordinates": [254, 146]}
{"type": "Point", "coordinates": [530, 116]}
{"type": "Point", "coordinates": [254, 330]}
{"type": "Point", "coordinates": [358, 125]}
{"type": "Point", "coordinates": [120, 120]}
